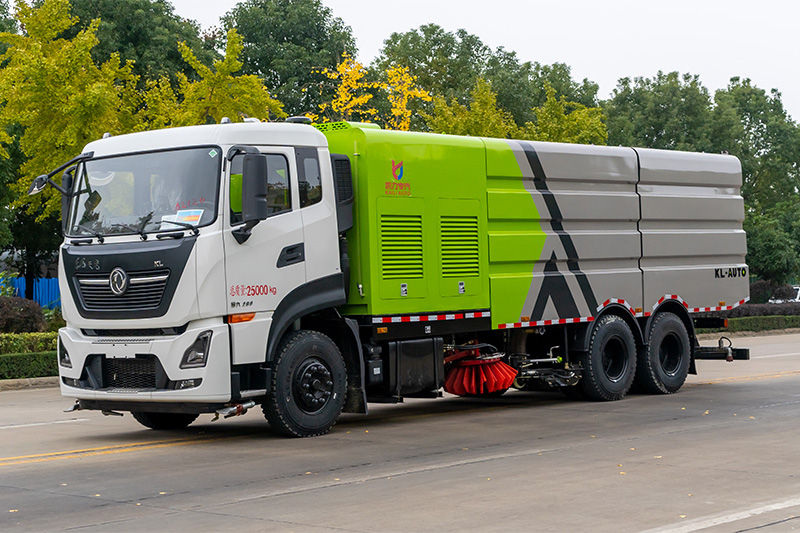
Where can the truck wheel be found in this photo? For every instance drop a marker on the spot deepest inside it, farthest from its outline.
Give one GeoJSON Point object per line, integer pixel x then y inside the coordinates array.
{"type": "Point", "coordinates": [308, 386]}
{"type": "Point", "coordinates": [664, 363]}
{"type": "Point", "coordinates": [610, 363]}
{"type": "Point", "coordinates": [164, 420]}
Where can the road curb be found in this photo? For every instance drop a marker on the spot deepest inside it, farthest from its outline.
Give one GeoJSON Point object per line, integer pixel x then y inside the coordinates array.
{"type": "Point", "coordinates": [28, 383]}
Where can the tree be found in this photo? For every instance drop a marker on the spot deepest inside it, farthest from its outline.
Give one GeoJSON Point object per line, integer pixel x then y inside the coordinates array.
{"type": "Point", "coordinates": [288, 43]}
{"type": "Point", "coordinates": [401, 88]}
{"type": "Point", "coordinates": [7, 22]}
{"type": "Point", "coordinates": [146, 32]}
{"type": "Point", "coordinates": [480, 117]}
{"type": "Point", "coordinates": [772, 252]}
{"type": "Point", "coordinates": [58, 99]}
{"type": "Point", "coordinates": [445, 64]}
{"type": "Point", "coordinates": [215, 94]}
{"type": "Point", "coordinates": [352, 96]}
{"type": "Point", "coordinates": [669, 111]}
{"type": "Point", "coordinates": [42, 69]}
{"type": "Point", "coordinates": [753, 125]}
{"type": "Point", "coordinates": [560, 120]}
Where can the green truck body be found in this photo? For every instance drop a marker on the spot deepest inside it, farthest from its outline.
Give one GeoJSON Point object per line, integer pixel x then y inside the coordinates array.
{"type": "Point", "coordinates": [534, 233]}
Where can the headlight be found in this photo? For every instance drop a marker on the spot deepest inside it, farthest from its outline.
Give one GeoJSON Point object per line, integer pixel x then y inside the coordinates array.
{"type": "Point", "coordinates": [196, 355]}
{"type": "Point", "coordinates": [63, 356]}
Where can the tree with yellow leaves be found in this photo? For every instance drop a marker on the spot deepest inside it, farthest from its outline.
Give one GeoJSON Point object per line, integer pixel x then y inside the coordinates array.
{"type": "Point", "coordinates": [402, 87]}
{"type": "Point", "coordinates": [352, 93]}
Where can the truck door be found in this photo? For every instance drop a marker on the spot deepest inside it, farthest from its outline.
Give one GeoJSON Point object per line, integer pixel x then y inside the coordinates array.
{"type": "Point", "coordinates": [261, 271]}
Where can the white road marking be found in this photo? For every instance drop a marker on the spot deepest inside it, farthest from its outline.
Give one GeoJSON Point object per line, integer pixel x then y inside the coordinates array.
{"type": "Point", "coordinates": [703, 523]}
{"type": "Point", "coordinates": [34, 424]}
{"type": "Point", "coordinates": [775, 355]}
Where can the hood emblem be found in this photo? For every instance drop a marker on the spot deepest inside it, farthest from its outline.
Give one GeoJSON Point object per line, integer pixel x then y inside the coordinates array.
{"type": "Point", "coordinates": [118, 281]}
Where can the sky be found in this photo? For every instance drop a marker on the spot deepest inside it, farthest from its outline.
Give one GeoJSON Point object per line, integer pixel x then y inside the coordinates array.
{"type": "Point", "coordinates": [602, 40]}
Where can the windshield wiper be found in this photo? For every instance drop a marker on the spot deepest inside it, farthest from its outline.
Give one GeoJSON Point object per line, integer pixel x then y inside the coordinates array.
{"type": "Point", "coordinates": [96, 234]}
{"type": "Point", "coordinates": [140, 229]}
{"type": "Point", "coordinates": [186, 225]}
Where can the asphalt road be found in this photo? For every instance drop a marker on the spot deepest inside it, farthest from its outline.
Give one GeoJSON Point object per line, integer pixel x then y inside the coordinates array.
{"type": "Point", "coordinates": [721, 455]}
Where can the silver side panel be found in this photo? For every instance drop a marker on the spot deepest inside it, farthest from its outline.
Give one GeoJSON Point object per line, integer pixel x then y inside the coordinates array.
{"type": "Point", "coordinates": [633, 225]}
{"type": "Point", "coordinates": [693, 244]}
{"type": "Point", "coordinates": [588, 207]}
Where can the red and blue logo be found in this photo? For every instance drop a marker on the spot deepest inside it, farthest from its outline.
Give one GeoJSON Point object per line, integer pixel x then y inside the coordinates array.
{"type": "Point", "coordinates": [395, 168]}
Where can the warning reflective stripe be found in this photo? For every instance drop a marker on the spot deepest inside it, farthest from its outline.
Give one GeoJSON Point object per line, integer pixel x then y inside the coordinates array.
{"type": "Point", "coordinates": [666, 297]}
{"type": "Point", "coordinates": [429, 318]}
{"type": "Point", "coordinates": [546, 322]}
{"type": "Point", "coordinates": [699, 309]}
{"type": "Point", "coordinates": [723, 308]}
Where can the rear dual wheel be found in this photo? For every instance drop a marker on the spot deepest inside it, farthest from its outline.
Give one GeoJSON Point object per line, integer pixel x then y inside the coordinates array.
{"type": "Point", "coordinates": [610, 363]}
{"type": "Point", "coordinates": [664, 363]}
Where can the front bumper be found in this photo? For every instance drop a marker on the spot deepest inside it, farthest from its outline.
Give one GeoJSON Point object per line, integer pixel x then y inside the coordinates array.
{"type": "Point", "coordinates": [138, 370]}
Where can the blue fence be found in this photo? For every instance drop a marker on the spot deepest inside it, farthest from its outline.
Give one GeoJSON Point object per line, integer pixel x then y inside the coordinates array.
{"type": "Point", "coordinates": [45, 290]}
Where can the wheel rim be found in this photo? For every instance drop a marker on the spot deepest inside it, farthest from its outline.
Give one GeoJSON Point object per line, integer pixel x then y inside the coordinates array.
{"type": "Point", "coordinates": [615, 359]}
{"type": "Point", "coordinates": [312, 385]}
{"type": "Point", "coordinates": [670, 354]}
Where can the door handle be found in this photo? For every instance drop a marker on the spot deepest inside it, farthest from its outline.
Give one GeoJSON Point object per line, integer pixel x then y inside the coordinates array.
{"type": "Point", "coordinates": [292, 254]}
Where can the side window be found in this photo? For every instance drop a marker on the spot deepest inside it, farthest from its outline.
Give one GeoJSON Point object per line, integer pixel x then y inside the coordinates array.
{"type": "Point", "coordinates": [279, 198]}
{"type": "Point", "coordinates": [308, 176]}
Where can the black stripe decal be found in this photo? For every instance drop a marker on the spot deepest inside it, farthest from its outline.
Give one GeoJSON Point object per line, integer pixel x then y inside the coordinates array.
{"type": "Point", "coordinates": [556, 221]}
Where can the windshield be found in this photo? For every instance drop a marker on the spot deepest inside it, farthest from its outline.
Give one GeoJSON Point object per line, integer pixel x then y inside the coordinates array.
{"type": "Point", "coordinates": [145, 192]}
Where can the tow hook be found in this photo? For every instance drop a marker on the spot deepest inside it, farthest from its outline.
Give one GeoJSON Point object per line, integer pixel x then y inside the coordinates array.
{"type": "Point", "coordinates": [236, 409]}
{"type": "Point", "coordinates": [74, 407]}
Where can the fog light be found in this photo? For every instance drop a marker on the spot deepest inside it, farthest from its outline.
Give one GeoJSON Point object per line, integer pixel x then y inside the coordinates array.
{"type": "Point", "coordinates": [63, 356]}
{"type": "Point", "coordinates": [188, 383]}
{"type": "Point", "coordinates": [196, 355]}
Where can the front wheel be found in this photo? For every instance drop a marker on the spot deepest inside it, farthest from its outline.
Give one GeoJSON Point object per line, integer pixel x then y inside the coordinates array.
{"type": "Point", "coordinates": [308, 386]}
{"type": "Point", "coordinates": [163, 421]}
{"type": "Point", "coordinates": [610, 364]}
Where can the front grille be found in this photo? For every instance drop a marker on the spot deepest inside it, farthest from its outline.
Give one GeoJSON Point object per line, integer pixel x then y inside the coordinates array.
{"type": "Point", "coordinates": [139, 373]}
{"type": "Point", "coordinates": [144, 292]}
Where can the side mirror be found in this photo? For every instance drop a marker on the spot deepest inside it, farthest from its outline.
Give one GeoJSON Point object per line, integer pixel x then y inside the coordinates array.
{"type": "Point", "coordinates": [254, 195]}
{"type": "Point", "coordinates": [38, 185]}
{"type": "Point", "coordinates": [66, 184]}
{"type": "Point", "coordinates": [254, 188]}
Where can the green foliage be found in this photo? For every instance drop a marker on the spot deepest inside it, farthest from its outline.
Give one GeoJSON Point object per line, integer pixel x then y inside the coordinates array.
{"type": "Point", "coordinates": [28, 365]}
{"type": "Point", "coordinates": [217, 93]}
{"type": "Point", "coordinates": [559, 120]}
{"type": "Point", "coordinates": [28, 342]}
{"type": "Point", "coordinates": [146, 32]}
{"type": "Point", "coordinates": [7, 22]}
{"type": "Point", "coordinates": [287, 43]}
{"type": "Point", "coordinates": [773, 243]}
{"type": "Point", "coordinates": [53, 319]}
{"type": "Point", "coordinates": [762, 323]}
{"type": "Point", "coordinates": [669, 111]}
{"type": "Point", "coordinates": [446, 64]}
{"type": "Point", "coordinates": [481, 117]}
{"type": "Point", "coordinates": [754, 126]}
{"type": "Point", "coordinates": [41, 69]}
{"type": "Point", "coordinates": [19, 315]}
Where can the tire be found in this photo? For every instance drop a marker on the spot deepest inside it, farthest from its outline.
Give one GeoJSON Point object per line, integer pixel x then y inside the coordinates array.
{"type": "Point", "coordinates": [610, 364]}
{"type": "Point", "coordinates": [164, 421]}
{"type": "Point", "coordinates": [308, 387]}
{"type": "Point", "coordinates": [663, 365]}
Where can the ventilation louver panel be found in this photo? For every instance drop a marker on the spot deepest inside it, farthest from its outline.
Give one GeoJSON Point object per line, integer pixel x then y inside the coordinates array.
{"type": "Point", "coordinates": [460, 253]}
{"type": "Point", "coordinates": [401, 247]}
